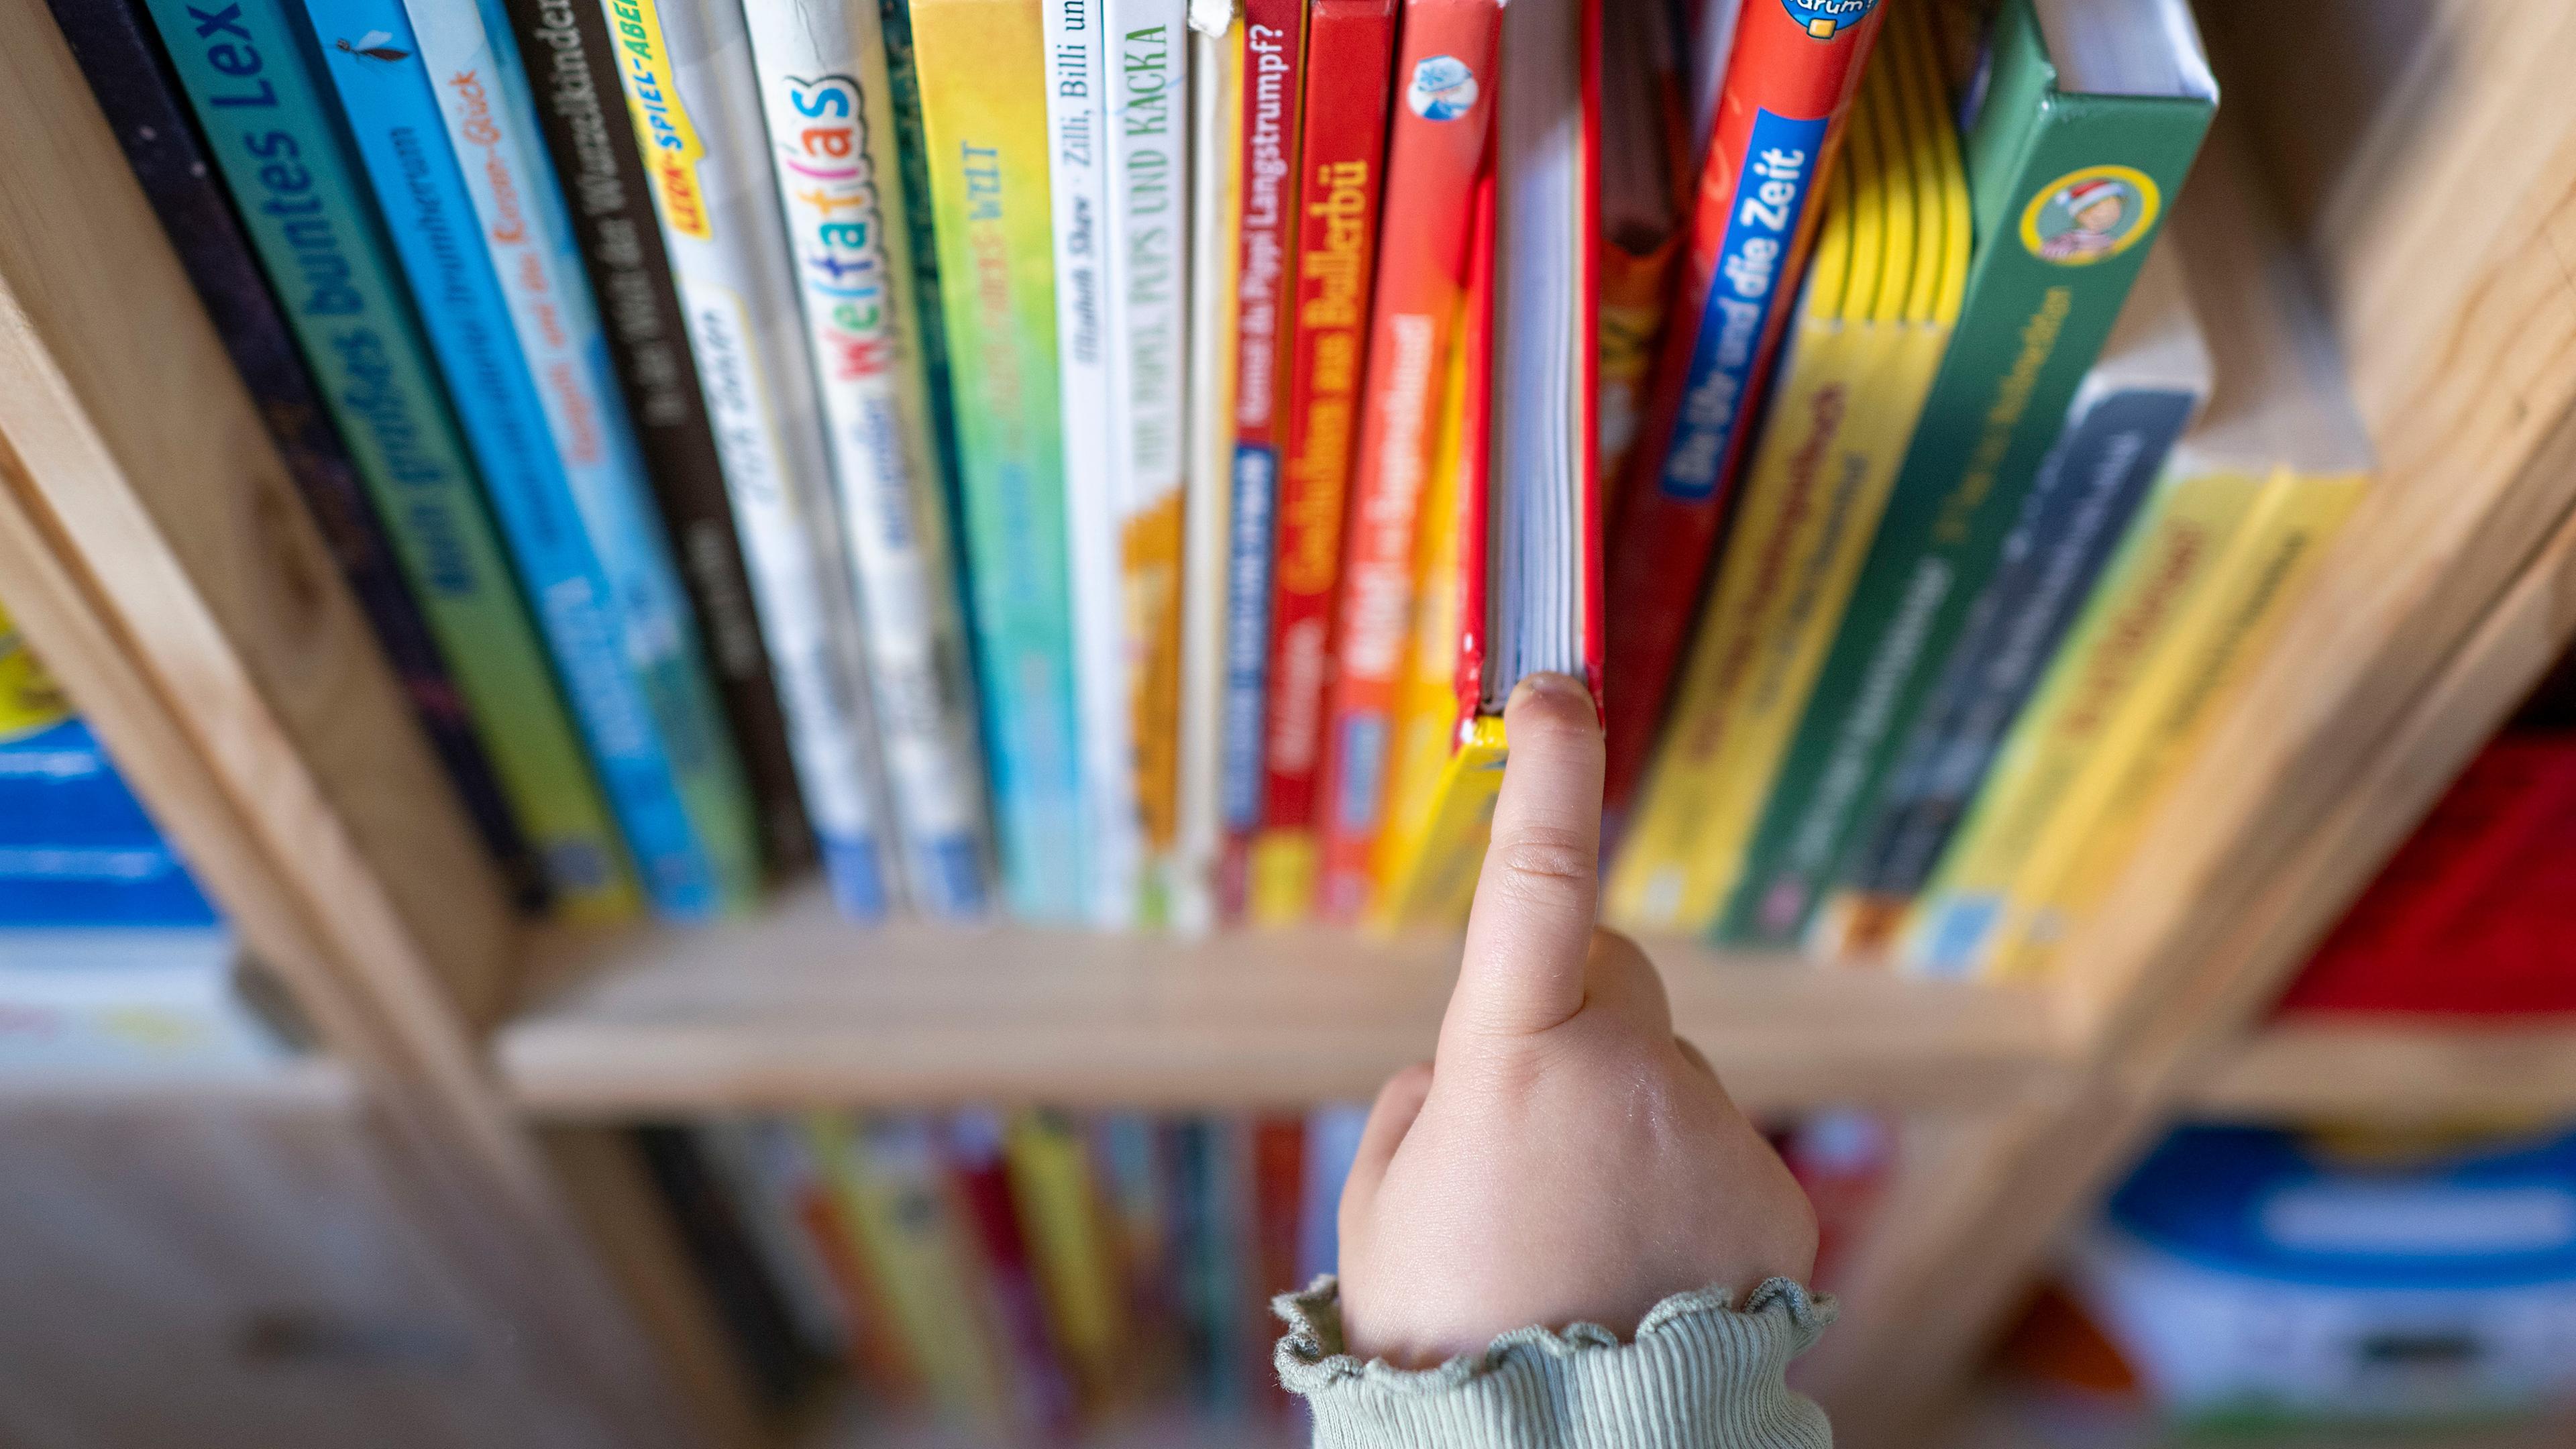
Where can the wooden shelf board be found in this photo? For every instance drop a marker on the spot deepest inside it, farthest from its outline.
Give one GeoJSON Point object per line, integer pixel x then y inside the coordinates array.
{"type": "Point", "coordinates": [2404, 1069]}
{"type": "Point", "coordinates": [797, 1008]}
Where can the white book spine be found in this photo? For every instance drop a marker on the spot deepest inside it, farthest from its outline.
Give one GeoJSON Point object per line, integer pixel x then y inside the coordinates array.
{"type": "Point", "coordinates": [823, 84]}
{"type": "Point", "coordinates": [1077, 183]}
{"type": "Point", "coordinates": [729, 262]}
{"type": "Point", "coordinates": [1199, 817]}
{"type": "Point", "coordinates": [1148, 332]}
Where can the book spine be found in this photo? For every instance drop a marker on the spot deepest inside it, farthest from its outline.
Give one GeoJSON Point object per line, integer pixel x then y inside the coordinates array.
{"type": "Point", "coordinates": [572, 63]}
{"type": "Point", "coordinates": [889, 1177]}
{"type": "Point", "coordinates": [1787, 94]}
{"type": "Point", "coordinates": [2087, 492]}
{"type": "Point", "coordinates": [1208, 1178]}
{"type": "Point", "coordinates": [2030, 326]}
{"type": "Point", "coordinates": [1044, 1396]}
{"type": "Point", "coordinates": [768, 1191]}
{"type": "Point", "coordinates": [393, 106]}
{"type": "Point", "coordinates": [1426, 721]}
{"type": "Point", "coordinates": [831, 126]}
{"type": "Point", "coordinates": [118, 58]}
{"type": "Point", "coordinates": [1216, 200]}
{"type": "Point", "coordinates": [482, 91]}
{"type": "Point", "coordinates": [921, 247]}
{"type": "Point", "coordinates": [1350, 48]}
{"type": "Point", "coordinates": [1059, 1205]}
{"type": "Point", "coordinates": [1127, 1151]}
{"type": "Point", "coordinates": [1278, 1183]}
{"type": "Point", "coordinates": [2090, 841]}
{"type": "Point", "coordinates": [1147, 100]}
{"type": "Point", "coordinates": [1436, 145]}
{"type": "Point", "coordinates": [270, 133]}
{"type": "Point", "coordinates": [982, 71]}
{"type": "Point", "coordinates": [751, 1304]}
{"type": "Point", "coordinates": [694, 102]}
{"type": "Point", "coordinates": [1078, 192]}
{"type": "Point", "coordinates": [2186, 528]}
{"type": "Point", "coordinates": [1274, 61]}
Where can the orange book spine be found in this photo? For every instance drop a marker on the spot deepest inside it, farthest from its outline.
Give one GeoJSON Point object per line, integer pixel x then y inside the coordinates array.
{"type": "Point", "coordinates": [1436, 149]}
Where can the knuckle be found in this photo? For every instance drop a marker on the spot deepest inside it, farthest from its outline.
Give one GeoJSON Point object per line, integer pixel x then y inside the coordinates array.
{"type": "Point", "coordinates": [1546, 853]}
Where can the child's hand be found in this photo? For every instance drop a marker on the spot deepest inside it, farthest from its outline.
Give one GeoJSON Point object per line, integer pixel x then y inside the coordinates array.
{"type": "Point", "coordinates": [1564, 1158]}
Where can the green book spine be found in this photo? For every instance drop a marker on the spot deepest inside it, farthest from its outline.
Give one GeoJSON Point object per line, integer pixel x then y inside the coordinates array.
{"type": "Point", "coordinates": [2068, 192]}
{"type": "Point", "coordinates": [981, 68]}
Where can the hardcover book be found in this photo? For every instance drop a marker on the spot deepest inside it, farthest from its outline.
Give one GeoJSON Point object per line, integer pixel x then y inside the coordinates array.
{"type": "Point", "coordinates": [1790, 80]}
{"type": "Point", "coordinates": [1436, 150]}
{"type": "Point", "coordinates": [113, 44]}
{"type": "Point", "coordinates": [572, 63]}
{"type": "Point", "coordinates": [557, 464]}
{"type": "Point", "coordinates": [270, 131]}
{"type": "Point", "coordinates": [2091, 114]}
{"type": "Point", "coordinates": [693, 100]}
{"type": "Point", "coordinates": [2151, 380]}
{"type": "Point", "coordinates": [981, 69]}
{"type": "Point", "coordinates": [832, 136]}
{"type": "Point", "coordinates": [1349, 47]}
{"type": "Point", "coordinates": [1882, 296]}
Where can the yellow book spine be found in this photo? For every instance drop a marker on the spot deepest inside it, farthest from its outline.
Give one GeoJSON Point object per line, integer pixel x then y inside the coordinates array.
{"type": "Point", "coordinates": [2088, 846]}
{"type": "Point", "coordinates": [2175, 548]}
{"type": "Point", "coordinates": [1820, 480]}
{"type": "Point", "coordinates": [1283, 867]}
{"type": "Point", "coordinates": [1051, 1188]}
{"type": "Point", "coordinates": [1426, 710]}
{"type": "Point", "coordinates": [892, 1188]}
{"type": "Point", "coordinates": [1436, 884]}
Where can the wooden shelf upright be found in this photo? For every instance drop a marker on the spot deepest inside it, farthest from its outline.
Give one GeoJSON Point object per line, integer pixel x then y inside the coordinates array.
{"type": "Point", "coordinates": [2424, 152]}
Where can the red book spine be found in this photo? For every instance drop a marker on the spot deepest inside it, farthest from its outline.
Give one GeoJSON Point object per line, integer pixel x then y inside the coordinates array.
{"type": "Point", "coordinates": [1475, 453]}
{"type": "Point", "coordinates": [1435, 150]}
{"type": "Point", "coordinates": [1278, 1196]}
{"type": "Point", "coordinates": [1274, 53]}
{"type": "Point", "coordinates": [1042, 1388]}
{"type": "Point", "coordinates": [1350, 45]}
{"type": "Point", "coordinates": [1794, 71]}
{"type": "Point", "coordinates": [1587, 322]}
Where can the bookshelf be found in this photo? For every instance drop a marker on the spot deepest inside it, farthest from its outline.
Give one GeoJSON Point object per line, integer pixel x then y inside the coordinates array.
{"type": "Point", "coordinates": [155, 552]}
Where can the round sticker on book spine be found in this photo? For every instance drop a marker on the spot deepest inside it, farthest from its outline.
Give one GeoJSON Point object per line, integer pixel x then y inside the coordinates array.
{"type": "Point", "coordinates": [1824, 19]}
{"type": "Point", "coordinates": [2089, 215]}
{"type": "Point", "coordinates": [1442, 88]}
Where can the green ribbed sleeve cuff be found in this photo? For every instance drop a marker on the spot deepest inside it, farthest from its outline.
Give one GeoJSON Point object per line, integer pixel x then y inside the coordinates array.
{"type": "Point", "coordinates": [1701, 1374]}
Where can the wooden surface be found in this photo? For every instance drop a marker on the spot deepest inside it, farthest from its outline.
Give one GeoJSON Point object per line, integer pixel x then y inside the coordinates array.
{"type": "Point", "coordinates": [223, 1276]}
{"type": "Point", "coordinates": [2405, 1072]}
{"type": "Point", "coordinates": [797, 1008]}
{"type": "Point", "coordinates": [157, 556]}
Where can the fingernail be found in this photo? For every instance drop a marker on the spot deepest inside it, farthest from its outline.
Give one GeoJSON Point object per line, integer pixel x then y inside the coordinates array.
{"type": "Point", "coordinates": [1562, 689]}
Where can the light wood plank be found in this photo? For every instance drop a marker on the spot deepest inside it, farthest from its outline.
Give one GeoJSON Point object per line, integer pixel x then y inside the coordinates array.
{"type": "Point", "coordinates": [157, 555]}
{"type": "Point", "coordinates": [2404, 1072]}
{"type": "Point", "coordinates": [798, 1008]}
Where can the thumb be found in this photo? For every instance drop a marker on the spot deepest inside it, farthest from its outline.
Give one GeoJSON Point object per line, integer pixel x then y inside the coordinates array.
{"type": "Point", "coordinates": [1531, 928]}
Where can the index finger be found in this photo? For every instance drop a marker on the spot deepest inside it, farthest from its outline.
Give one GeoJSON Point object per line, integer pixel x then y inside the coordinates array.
{"type": "Point", "coordinates": [1531, 928]}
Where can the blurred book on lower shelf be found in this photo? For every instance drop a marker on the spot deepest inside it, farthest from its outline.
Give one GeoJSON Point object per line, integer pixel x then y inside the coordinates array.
{"type": "Point", "coordinates": [2475, 914]}
{"type": "Point", "coordinates": [2271, 1283]}
{"type": "Point", "coordinates": [113, 965]}
{"type": "Point", "coordinates": [1032, 1275]}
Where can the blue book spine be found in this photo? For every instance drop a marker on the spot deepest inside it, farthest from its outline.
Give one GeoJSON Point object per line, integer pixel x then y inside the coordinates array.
{"type": "Point", "coordinates": [2087, 490]}
{"type": "Point", "coordinates": [1247, 638]}
{"type": "Point", "coordinates": [552, 438]}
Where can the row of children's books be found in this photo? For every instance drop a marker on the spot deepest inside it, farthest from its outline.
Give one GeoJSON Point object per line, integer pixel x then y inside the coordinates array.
{"type": "Point", "coordinates": [1026, 1273]}
{"type": "Point", "coordinates": [1032, 1273]}
{"type": "Point", "coordinates": [1110, 460]}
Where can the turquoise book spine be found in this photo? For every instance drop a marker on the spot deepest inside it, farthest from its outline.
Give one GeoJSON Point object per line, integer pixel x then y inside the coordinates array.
{"type": "Point", "coordinates": [488, 250]}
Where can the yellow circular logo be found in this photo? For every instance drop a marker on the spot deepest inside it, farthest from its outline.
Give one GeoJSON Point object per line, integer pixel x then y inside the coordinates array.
{"type": "Point", "coordinates": [2084, 216]}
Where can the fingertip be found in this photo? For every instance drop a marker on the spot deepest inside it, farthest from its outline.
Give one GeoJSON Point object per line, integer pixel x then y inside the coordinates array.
{"type": "Point", "coordinates": [1551, 702]}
